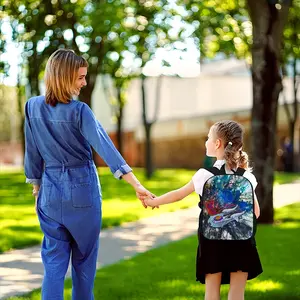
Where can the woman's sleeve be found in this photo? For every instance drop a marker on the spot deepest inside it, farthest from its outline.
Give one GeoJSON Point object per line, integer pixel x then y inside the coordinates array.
{"type": "Point", "coordinates": [33, 162]}
{"type": "Point", "coordinates": [97, 137]}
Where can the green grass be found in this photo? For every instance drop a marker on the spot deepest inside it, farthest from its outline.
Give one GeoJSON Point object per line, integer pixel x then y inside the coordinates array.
{"type": "Point", "coordinates": [19, 225]}
{"type": "Point", "coordinates": [168, 273]}
{"type": "Point", "coordinates": [281, 177]}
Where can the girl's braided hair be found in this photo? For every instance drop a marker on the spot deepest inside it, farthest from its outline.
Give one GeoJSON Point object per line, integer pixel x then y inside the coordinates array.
{"type": "Point", "coordinates": [231, 134]}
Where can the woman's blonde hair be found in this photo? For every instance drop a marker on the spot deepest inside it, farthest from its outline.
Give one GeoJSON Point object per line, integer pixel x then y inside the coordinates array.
{"type": "Point", "coordinates": [231, 134]}
{"type": "Point", "coordinates": [61, 72]}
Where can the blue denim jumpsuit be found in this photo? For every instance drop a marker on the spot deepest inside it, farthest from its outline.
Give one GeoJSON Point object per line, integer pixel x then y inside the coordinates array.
{"type": "Point", "coordinates": [58, 157]}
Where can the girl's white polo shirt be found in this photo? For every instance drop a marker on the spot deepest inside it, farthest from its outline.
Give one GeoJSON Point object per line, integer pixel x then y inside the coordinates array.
{"type": "Point", "coordinates": [202, 175]}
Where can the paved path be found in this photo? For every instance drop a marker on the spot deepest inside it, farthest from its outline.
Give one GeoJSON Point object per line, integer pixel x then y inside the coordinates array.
{"type": "Point", "coordinates": [21, 270]}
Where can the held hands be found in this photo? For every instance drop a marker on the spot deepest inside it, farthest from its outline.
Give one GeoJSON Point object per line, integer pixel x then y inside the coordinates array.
{"type": "Point", "coordinates": [143, 194]}
{"type": "Point", "coordinates": [150, 202]}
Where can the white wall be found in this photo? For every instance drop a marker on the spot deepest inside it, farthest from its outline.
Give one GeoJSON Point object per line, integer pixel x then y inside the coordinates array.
{"type": "Point", "coordinates": [181, 99]}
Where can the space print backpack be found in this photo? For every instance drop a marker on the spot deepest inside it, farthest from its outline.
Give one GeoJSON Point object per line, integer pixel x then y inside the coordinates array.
{"type": "Point", "coordinates": [227, 204]}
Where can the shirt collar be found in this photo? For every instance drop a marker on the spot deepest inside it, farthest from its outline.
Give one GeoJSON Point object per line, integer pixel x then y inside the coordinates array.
{"type": "Point", "coordinates": [219, 163]}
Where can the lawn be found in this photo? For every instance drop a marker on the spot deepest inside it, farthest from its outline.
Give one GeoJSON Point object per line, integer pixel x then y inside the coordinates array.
{"type": "Point", "coordinates": [168, 273]}
{"type": "Point", "coordinates": [281, 177]}
{"type": "Point", "coordinates": [19, 225]}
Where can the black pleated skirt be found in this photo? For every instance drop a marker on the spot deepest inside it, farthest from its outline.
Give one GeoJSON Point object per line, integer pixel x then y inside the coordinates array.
{"type": "Point", "coordinates": [214, 256]}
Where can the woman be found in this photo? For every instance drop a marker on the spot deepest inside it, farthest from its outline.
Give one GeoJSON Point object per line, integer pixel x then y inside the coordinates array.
{"type": "Point", "coordinates": [59, 133]}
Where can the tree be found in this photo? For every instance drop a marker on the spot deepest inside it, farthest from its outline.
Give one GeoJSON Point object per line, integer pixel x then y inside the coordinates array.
{"type": "Point", "coordinates": [268, 19]}
{"type": "Point", "coordinates": [231, 27]}
{"type": "Point", "coordinates": [148, 123]}
{"type": "Point", "coordinates": [220, 27]}
{"type": "Point", "coordinates": [290, 59]}
{"type": "Point", "coordinates": [43, 26]}
{"type": "Point", "coordinates": [116, 65]}
{"type": "Point", "coordinates": [151, 24]}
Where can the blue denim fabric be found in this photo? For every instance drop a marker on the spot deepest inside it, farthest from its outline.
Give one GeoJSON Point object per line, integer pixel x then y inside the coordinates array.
{"type": "Point", "coordinates": [58, 157]}
{"type": "Point", "coordinates": [64, 135]}
{"type": "Point", "coordinates": [69, 211]}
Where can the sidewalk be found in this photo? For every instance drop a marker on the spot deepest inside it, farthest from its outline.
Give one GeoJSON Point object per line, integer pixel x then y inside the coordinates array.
{"type": "Point", "coordinates": [21, 270]}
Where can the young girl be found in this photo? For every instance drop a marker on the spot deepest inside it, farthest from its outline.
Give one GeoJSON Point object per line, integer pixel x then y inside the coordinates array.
{"type": "Point", "coordinates": [221, 261]}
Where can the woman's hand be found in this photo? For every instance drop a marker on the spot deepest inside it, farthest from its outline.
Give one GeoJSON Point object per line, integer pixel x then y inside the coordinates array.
{"type": "Point", "coordinates": [143, 193]}
{"type": "Point", "coordinates": [150, 202]}
{"type": "Point", "coordinates": [35, 206]}
{"type": "Point", "coordinates": [35, 193]}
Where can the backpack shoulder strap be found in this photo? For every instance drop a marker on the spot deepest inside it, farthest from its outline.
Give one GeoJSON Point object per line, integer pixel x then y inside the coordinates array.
{"type": "Point", "coordinates": [213, 170]}
{"type": "Point", "coordinates": [217, 171]}
{"type": "Point", "coordinates": [240, 171]}
{"type": "Point", "coordinates": [222, 170]}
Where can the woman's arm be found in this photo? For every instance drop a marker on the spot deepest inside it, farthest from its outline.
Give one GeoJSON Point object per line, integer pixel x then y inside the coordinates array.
{"type": "Point", "coordinates": [141, 192]}
{"type": "Point", "coordinates": [132, 180]}
{"type": "Point", "coordinates": [98, 138]}
{"type": "Point", "coordinates": [172, 196]}
{"type": "Point", "coordinates": [33, 162]}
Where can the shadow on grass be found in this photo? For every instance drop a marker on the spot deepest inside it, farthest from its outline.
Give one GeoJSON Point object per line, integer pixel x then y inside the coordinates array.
{"type": "Point", "coordinates": [287, 220]}
{"type": "Point", "coordinates": [17, 237]}
{"type": "Point", "coordinates": [119, 202]}
{"type": "Point", "coordinates": [21, 228]}
{"type": "Point", "coordinates": [168, 273]}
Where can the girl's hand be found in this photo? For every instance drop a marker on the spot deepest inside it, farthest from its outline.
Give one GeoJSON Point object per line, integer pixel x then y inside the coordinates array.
{"type": "Point", "coordinates": [150, 202]}
{"type": "Point", "coordinates": [142, 194]}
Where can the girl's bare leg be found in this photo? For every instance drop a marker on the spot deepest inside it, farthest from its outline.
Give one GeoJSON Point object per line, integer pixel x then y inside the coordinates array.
{"type": "Point", "coordinates": [238, 282]}
{"type": "Point", "coordinates": [212, 286]}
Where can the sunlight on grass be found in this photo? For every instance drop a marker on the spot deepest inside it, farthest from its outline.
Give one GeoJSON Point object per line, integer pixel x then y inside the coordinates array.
{"type": "Point", "coordinates": [265, 286]}
{"type": "Point", "coordinates": [172, 283]}
{"type": "Point", "coordinates": [294, 272]}
{"type": "Point", "coordinates": [289, 225]}
{"type": "Point", "coordinates": [281, 177]}
{"type": "Point", "coordinates": [196, 288]}
{"type": "Point", "coordinates": [17, 214]}
{"type": "Point", "coordinates": [168, 272]}
{"type": "Point", "coordinates": [285, 214]}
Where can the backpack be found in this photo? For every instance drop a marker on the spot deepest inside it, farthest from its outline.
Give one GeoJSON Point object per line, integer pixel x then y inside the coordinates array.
{"type": "Point", "coordinates": [227, 204]}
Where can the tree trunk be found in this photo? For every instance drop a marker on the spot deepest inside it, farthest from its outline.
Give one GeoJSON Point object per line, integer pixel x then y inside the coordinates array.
{"type": "Point", "coordinates": [147, 126]}
{"type": "Point", "coordinates": [296, 113]}
{"type": "Point", "coordinates": [148, 149]}
{"type": "Point", "coordinates": [33, 74]}
{"type": "Point", "coordinates": [292, 121]}
{"type": "Point", "coordinates": [20, 95]}
{"type": "Point", "coordinates": [268, 23]}
{"type": "Point", "coordinates": [120, 120]}
{"type": "Point", "coordinates": [292, 153]}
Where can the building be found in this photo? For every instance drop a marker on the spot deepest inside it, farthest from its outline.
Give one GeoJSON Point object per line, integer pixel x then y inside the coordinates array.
{"type": "Point", "coordinates": [187, 109]}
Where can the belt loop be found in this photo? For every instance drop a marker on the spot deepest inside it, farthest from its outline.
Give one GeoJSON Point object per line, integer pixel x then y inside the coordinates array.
{"type": "Point", "coordinates": [63, 167]}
